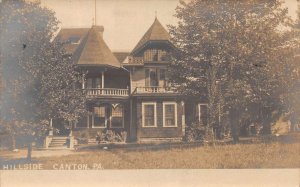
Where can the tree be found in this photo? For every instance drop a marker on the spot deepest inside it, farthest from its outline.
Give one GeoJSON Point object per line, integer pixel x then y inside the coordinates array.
{"type": "Point", "coordinates": [291, 78]}
{"type": "Point", "coordinates": [39, 78]}
{"type": "Point", "coordinates": [227, 50]}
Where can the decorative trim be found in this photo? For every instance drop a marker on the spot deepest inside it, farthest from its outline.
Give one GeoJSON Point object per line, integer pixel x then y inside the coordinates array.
{"type": "Point", "coordinates": [143, 116]}
{"type": "Point", "coordinates": [175, 110]}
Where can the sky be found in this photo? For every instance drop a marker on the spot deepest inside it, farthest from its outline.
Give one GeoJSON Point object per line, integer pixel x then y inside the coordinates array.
{"type": "Point", "coordinates": [124, 21]}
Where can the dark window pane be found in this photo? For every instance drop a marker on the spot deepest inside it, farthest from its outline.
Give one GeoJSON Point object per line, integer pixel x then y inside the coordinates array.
{"type": "Point", "coordinates": [170, 115]}
{"type": "Point", "coordinates": [149, 115]}
{"type": "Point", "coordinates": [117, 116]}
{"type": "Point", "coordinates": [99, 116]}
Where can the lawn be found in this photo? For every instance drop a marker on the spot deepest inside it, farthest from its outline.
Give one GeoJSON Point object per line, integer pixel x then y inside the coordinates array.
{"type": "Point", "coordinates": [274, 155]}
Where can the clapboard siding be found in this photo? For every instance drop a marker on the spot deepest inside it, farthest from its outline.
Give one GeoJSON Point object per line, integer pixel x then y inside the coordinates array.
{"type": "Point", "coordinates": [159, 131]}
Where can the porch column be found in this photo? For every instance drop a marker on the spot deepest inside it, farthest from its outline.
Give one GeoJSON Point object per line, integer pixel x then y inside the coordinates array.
{"type": "Point", "coordinates": [51, 122]}
{"type": "Point", "coordinates": [102, 79]}
{"type": "Point", "coordinates": [83, 82]}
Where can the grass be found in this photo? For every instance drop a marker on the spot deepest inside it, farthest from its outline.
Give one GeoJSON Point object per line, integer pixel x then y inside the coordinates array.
{"type": "Point", "coordinates": [274, 155]}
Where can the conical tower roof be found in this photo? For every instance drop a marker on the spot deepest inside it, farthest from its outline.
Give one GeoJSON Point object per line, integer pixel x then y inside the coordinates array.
{"type": "Point", "coordinates": [155, 33]}
{"type": "Point", "coordinates": [94, 51]}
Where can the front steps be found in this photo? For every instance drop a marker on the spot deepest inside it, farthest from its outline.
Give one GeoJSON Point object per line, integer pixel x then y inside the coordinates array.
{"type": "Point", "coordinates": [58, 142]}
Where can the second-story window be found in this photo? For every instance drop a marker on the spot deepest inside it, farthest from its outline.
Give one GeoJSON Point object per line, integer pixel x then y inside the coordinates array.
{"type": "Point", "coordinates": [155, 55]}
{"type": "Point", "coordinates": [155, 77]}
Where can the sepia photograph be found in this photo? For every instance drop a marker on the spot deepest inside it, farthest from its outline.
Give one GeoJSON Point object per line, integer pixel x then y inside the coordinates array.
{"type": "Point", "coordinates": [161, 92]}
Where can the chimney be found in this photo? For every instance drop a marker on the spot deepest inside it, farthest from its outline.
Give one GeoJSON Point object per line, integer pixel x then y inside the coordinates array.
{"type": "Point", "coordinates": [99, 29]}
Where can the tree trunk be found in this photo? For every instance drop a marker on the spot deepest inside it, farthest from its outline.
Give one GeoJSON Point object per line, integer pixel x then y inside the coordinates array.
{"type": "Point", "coordinates": [234, 131]}
{"type": "Point", "coordinates": [29, 151]}
{"type": "Point", "coordinates": [13, 142]}
{"type": "Point", "coordinates": [234, 122]}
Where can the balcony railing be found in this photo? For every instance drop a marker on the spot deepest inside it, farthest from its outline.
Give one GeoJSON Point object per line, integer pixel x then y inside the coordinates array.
{"type": "Point", "coordinates": [95, 92]}
{"type": "Point", "coordinates": [155, 89]}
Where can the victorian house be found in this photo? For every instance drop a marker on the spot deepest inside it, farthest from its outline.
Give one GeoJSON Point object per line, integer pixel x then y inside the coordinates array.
{"type": "Point", "coordinates": [128, 91]}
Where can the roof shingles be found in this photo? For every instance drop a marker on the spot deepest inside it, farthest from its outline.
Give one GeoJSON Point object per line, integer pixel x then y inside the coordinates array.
{"type": "Point", "coordinates": [155, 33]}
{"type": "Point", "coordinates": [92, 50]}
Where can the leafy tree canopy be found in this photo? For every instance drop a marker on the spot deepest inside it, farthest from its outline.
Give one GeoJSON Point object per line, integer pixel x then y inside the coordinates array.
{"type": "Point", "coordinates": [230, 52]}
{"type": "Point", "coordinates": [38, 77]}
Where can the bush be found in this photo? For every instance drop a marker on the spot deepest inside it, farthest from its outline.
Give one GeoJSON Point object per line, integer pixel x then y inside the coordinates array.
{"type": "Point", "coordinates": [82, 141]}
{"type": "Point", "coordinates": [111, 136]}
{"type": "Point", "coordinates": [84, 134]}
{"type": "Point", "coordinates": [123, 136]}
{"type": "Point", "coordinates": [195, 133]}
{"type": "Point", "coordinates": [83, 137]}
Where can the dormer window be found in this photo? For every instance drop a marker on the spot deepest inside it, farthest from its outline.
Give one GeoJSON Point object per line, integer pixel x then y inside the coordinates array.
{"type": "Point", "coordinates": [73, 40]}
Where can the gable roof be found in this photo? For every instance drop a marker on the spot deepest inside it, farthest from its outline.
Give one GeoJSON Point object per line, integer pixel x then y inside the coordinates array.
{"type": "Point", "coordinates": [121, 55]}
{"type": "Point", "coordinates": [91, 49]}
{"type": "Point", "coordinates": [155, 33]}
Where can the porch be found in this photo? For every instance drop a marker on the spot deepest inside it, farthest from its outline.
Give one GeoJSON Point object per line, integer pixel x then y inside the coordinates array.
{"type": "Point", "coordinates": [102, 92]}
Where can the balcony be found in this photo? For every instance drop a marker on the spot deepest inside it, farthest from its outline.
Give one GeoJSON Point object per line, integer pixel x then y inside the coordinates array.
{"type": "Point", "coordinates": [154, 89]}
{"type": "Point", "coordinates": [106, 92]}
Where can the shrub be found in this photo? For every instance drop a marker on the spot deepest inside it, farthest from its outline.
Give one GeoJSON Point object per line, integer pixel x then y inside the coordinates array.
{"type": "Point", "coordinates": [83, 137]}
{"type": "Point", "coordinates": [100, 137]}
{"type": "Point", "coordinates": [84, 134]}
{"type": "Point", "coordinates": [195, 132]}
{"type": "Point", "coordinates": [111, 136]}
{"type": "Point", "coordinates": [123, 136]}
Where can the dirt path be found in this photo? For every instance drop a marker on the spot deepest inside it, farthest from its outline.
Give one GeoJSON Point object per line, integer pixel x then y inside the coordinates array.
{"type": "Point", "coordinates": [36, 153]}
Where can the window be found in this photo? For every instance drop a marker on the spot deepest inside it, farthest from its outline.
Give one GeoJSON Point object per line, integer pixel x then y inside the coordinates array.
{"type": "Point", "coordinates": [117, 117]}
{"type": "Point", "coordinates": [155, 55]}
{"type": "Point", "coordinates": [155, 77]}
{"type": "Point", "coordinates": [169, 114]}
{"type": "Point", "coordinates": [201, 113]}
{"type": "Point", "coordinates": [162, 78]}
{"type": "Point", "coordinates": [99, 117]}
{"type": "Point", "coordinates": [151, 78]}
{"type": "Point", "coordinates": [149, 114]}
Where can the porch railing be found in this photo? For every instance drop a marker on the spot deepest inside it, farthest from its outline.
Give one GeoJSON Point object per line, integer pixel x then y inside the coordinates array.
{"type": "Point", "coordinates": [153, 90]}
{"type": "Point", "coordinates": [93, 92]}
